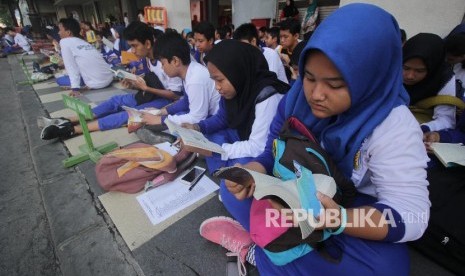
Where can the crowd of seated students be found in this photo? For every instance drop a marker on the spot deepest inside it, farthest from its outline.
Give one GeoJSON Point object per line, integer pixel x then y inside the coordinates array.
{"type": "Point", "coordinates": [235, 91]}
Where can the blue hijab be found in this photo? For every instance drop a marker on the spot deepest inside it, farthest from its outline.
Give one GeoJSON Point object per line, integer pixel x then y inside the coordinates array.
{"type": "Point", "coordinates": [363, 41]}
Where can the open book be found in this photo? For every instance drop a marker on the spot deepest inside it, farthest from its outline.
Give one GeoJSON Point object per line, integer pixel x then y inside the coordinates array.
{"type": "Point", "coordinates": [108, 43]}
{"type": "Point", "coordinates": [124, 75]}
{"type": "Point", "coordinates": [450, 155]}
{"type": "Point", "coordinates": [135, 117]}
{"type": "Point", "coordinates": [298, 194]}
{"type": "Point", "coordinates": [193, 140]}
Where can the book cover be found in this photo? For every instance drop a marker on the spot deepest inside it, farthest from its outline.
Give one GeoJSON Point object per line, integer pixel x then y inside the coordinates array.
{"type": "Point", "coordinates": [298, 194]}
{"type": "Point", "coordinates": [135, 117]}
{"type": "Point", "coordinates": [193, 140]}
{"type": "Point", "coordinates": [449, 154]}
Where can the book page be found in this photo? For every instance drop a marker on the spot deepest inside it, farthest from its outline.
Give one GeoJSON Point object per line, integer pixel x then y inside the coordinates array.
{"type": "Point", "coordinates": [167, 200]}
{"type": "Point", "coordinates": [125, 75]}
{"type": "Point", "coordinates": [449, 154]}
{"type": "Point", "coordinates": [108, 43]}
{"type": "Point", "coordinates": [134, 114]}
{"type": "Point", "coordinates": [193, 138]}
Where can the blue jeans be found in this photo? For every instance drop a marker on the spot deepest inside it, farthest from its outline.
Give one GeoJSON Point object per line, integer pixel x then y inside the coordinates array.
{"type": "Point", "coordinates": [110, 114]}
{"type": "Point", "coordinates": [65, 81]}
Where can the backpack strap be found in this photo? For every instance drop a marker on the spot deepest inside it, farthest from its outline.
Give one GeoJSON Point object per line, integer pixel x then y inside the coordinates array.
{"type": "Point", "coordinates": [294, 124]}
{"type": "Point", "coordinates": [440, 100]}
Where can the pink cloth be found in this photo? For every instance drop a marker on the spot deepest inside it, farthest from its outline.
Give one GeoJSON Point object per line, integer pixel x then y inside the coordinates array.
{"type": "Point", "coordinates": [260, 233]}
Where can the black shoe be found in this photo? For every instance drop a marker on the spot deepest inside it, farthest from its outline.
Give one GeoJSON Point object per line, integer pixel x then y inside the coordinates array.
{"type": "Point", "coordinates": [35, 67]}
{"type": "Point", "coordinates": [44, 121]}
{"type": "Point", "coordinates": [154, 137]}
{"type": "Point", "coordinates": [63, 130]}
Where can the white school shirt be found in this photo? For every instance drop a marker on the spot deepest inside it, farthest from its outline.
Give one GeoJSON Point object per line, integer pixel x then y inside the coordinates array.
{"type": "Point", "coordinates": [21, 40]}
{"type": "Point", "coordinates": [255, 145]}
{"type": "Point", "coordinates": [392, 168]}
{"type": "Point", "coordinates": [173, 84]}
{"type": "Point", "coordinates": [278, 49]}
{"type": "Point", "coordinates": [116, 44]}
{"type": "Point", "coordinates": [82, 60]}
{"type": "Point", "coordinates": [202, 95]}
{"type": "Point", "coordinates": [274, 63]}
{"type": "Point", "coordinates": [444, 115]}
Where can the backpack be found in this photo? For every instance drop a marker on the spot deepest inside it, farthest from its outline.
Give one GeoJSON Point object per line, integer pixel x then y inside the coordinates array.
{"type": "Point", "coordinates": [444, 239]}
{"type": "Point", "coordinates": [130, 168]}
{"type": "Point", "coordinates": [296, 143]}
{"type": "Point", "coordinates": [424, 109]}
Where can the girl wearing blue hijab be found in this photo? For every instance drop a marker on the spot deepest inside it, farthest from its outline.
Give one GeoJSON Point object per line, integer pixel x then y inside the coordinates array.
{"type": "Point", "coordinates": [350, 95]}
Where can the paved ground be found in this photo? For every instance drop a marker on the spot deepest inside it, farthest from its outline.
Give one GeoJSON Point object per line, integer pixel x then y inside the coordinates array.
{"type": "Point", "coordinates": [52, 223]}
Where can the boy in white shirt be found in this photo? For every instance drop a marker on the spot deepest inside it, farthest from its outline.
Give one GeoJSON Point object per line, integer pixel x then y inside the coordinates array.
{"type": "Point", "coordinates": [83, 63]}
{"type": "Point", "coordinates": [19, 40]}
{"type": "Point", "coordinates": [155, 91]}
{"type": "Point", "coordinates": [200, 98]}
{"type": "Point", "coordinates": [272, 39]}
{"type": "Point", "coordinates": [248, 33]}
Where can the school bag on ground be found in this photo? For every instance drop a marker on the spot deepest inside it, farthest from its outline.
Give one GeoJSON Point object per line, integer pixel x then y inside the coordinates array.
{"type": "Point", "coordinates": [444, 239]}
{"type": "Point", "coordinates": [128, 169]}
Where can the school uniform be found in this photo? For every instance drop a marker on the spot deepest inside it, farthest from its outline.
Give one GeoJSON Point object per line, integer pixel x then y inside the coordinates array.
{"type": "Point", "coordinates": [201, 94]}
{"type": "Point", "coordinates": [21, 40]}
{"type": "Point", "coordinates": [456, 135]}
{"type": "Point", "coordinates": [237, 150]}
{"type": "Point", "coordinates": [377, 144]}
{"type": "Point", "coordinates": [242, 123]}
{"type": "Point", "coordinates": [443, 115]}
{"type": "Point", "coordinates": [110, 113]}
{"type": "Point", "coordinates": [275, 64]}
{"type": "Point", "coordinates": [439, 80]}
{"type": "Point", "coordinates": [82, 60]}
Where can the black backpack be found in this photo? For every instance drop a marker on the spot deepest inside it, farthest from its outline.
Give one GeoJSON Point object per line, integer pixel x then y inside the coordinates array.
{"type": "Point", "coordinates": [444, 239]}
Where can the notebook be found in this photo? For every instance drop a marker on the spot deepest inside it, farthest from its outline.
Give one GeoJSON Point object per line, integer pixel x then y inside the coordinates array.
{"type": "Point", "coordinates": [449, 154]}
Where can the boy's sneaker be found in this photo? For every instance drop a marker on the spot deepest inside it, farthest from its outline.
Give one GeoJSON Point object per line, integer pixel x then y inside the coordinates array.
{"type": "Point", "coordinates": [35, 67]}
{"type": "Point", "coordinates": [63, 130]}
{"type": "Point", "coordinates": [44, 121]}
{"type": "Point", "coordinates": [229, 234]}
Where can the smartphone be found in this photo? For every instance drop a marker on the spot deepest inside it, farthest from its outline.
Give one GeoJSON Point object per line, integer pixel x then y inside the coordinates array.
{"type": "Point", "coordinates": [193, 175]}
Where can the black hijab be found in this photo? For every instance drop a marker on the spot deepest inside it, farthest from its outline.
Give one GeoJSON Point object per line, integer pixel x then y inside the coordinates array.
{"type": "Point", "coordinates": [429, 48]}
{"type": "Point", "coordinates": [290, 10]}
{"type": "Point", "coordinates": [247, 70]}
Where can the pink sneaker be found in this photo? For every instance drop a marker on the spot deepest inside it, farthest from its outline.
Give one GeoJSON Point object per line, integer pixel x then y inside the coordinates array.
{"type": "Point", "coordinates": [229, 234]}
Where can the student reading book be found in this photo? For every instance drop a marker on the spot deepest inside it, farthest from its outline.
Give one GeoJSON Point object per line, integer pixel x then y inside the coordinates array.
{"type": "Point", "coordinates": [250, 94]}
{"type": "Point", "coordinates": [450, 155]}
{"type": "Point", "coordinates": [200, 98]}
{"type": "Point", "coordinates": [156, 90]}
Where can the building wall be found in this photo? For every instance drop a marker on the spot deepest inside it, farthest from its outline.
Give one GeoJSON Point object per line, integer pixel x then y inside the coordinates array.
{"type": "Point", "coordinates": [179, 14]}
{"type": "Point", "coordinates": [415, 16]}
{"type": "Point", "coordinates": [245, 10]}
